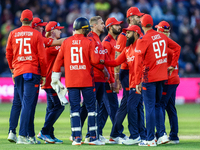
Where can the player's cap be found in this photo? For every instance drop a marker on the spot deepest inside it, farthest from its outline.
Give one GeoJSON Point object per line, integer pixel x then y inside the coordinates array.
{"type": "Point", "coordinates": [133, 11]}
{"type": "Point", "coordinates": [53, 25]}
{"type": "Point", "coordinates": [26, 15]}
{"type": "Point", "coordinates": [134, 28]}
{"type": "Point", "coordinates": [146, 20]}
{"type": "Point", "coordinates": [163, 26]}
{"type": "Point", "coordinates": [112, 21]}
{"type": "Point", "coordinates": [38, 22]}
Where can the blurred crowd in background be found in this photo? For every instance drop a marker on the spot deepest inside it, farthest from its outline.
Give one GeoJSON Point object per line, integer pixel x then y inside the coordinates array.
{"type": "Point", "coordinates": [183, 16]}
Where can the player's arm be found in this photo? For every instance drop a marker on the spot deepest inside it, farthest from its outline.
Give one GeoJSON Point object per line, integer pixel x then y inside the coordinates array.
{"type": "Point", "coordinates": [9, 52]}
{"type": "Point", "coordinates": [58, 42]}
{"type": "Point", "coordinates": [139, 57]}
{"type": "Point", "coordinates": [116, 62]}
{"type": "Point", "coordinates": [176, 53]}
{"type": "Point", "coordinates": [94, 55]}
{"type": "Point", "coordinates": [120, 45]}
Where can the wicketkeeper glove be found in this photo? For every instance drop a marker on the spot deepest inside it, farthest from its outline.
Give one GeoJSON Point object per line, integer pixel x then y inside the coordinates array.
{"type": "Point", "coordinates": [59, 88]}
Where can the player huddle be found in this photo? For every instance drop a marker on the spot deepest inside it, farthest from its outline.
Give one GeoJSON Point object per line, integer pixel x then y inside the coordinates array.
{"type": "Point", "coordinates": [148, 75]}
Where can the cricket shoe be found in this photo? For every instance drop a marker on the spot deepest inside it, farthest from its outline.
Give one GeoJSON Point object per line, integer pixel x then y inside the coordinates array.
{"type": "Point", "coordinates": [132, 141]}
{"type": "Point", "coordinates": [23, 140]}
{"type": "Point", "coordinates": [173, 141]}
{"type": "Point", "coordinates": [147, 143]}
{"type": "Point", "coordinates": [163, 139]}
{"type": "Point", "coordinates": [33, 140]}
{"type": "Point", "coordinates": [117, 140]}
{"type": "Point", "coordinates": [57, 141]}
{"type": "Point", "coordinates": [103, 139]}
{"type": "Point", "coordinates": [71, 138]}
{"type": "Point", "coordinates": [77, 141]}
{"type": "Point", "coordinates": [87, 140]}
{"type": "Point", "coordinates": [46, 138]}
{"type": "Point", "coordinates": [12, 137]}
{"type": "Point", "coordinates": [95, 142]}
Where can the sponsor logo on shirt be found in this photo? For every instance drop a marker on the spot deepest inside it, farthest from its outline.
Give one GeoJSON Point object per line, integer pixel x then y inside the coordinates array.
{"type": "Point", "coordinates": [117, 46]}
{"type": "Point", "coordinates": [130, 58]}
{"type": "Point", "coordinates": [161, 61]}
{"type": "Point", "coordinates": [137, 51]}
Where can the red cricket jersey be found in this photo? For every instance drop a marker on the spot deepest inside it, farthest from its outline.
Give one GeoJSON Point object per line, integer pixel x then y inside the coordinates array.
{"type": "Point", "coordinates": [109, 44]}
{"type": "Point", "coordinates": [51, 54]}
{"type": "Point", "coordinates": [152, 50]}
{"type": "Point", "coordinates": [174, 78]}
{"type": "Point", "coordinates": [120, 45]}
{"type": "Point", "coordinates": [98, 69]}
{"type": "Point", "coordinates": [127, 55]}
{"type": "Point", "coordinates": [78, 53]}
{"type": "Point", "coordinates": [25, 51]}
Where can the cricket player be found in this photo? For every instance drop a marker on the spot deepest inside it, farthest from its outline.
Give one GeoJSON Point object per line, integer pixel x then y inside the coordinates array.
{"type": "Point", "coordinates": [78, 53]}
{"type": "Point", "coordinates": [117, 137]}
{"type": "Point", "coordinates": [109, 105]}
{"type": "Point", "coordinates": [54, 107]}
{"type": "Point", "coordinates": [38, 25]}
{"type": "Point", "coordinates": [26, 59]}
{"type": "Point", "coordinates": [152, 50]}
{"type": "Point", "coordinates": [97, 26]}
{"type": "Point", "coordinates": [169, 90]}
{"type": "Point", "coordinates": [133, 32]}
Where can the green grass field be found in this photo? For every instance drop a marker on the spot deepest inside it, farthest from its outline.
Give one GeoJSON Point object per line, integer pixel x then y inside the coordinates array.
{"type": "Point", "coordinates": [189, 130]}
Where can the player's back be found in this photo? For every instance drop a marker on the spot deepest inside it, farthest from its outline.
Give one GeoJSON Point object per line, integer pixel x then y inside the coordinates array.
{"type": "Point", "coordinates": [155, 57]}
{"type": "Point", "coordinates": [79, 54]}
{"type": "Point", "coordinates": [26, 46]}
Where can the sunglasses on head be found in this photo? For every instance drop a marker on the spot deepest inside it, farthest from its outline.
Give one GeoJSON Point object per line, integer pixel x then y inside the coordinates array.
{"type": "Point", "coordinates": [41, 21]}
{"type": "Point", "coordinates": [166, 27]}
{"type": "Point", "coordinates": [57, 25]}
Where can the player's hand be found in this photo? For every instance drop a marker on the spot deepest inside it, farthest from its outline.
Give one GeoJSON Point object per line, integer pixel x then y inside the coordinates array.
{"type": "Point", "coordinates": [112, 86]}
{"type": "Point", "coordinates": [106, 74]}
{"type": "Point", "coordinates": [170, 70]}
{"type": "Point", "coordinates": [139, 88]}
{"type": "Point", "coordinates": [13, 78]}
{"type": "Point", "coordinates": [101, 61]}
{"type": "Point", "coordinates": [117, 86]}
{"type": "Point", "coordinates": [43, 81]}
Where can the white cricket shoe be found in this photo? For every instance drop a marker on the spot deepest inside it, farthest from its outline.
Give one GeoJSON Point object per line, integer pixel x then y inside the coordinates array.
{"type": "Point", "coordinates": [77, 141]}
{"type": "Point", "coordinates": [33, 140]}
{"type": "Point", "coordinates": [147, 143]}
{"type": "Point", "coordinates": [12, 137]}
{"type": "Point", "coordinates": [173, 142]}
{"type": "Point", "coordinates": [23, 140]}
{"type": "Point", "coordinates": [132, 141]}
{"type": "Point", "coordinates": [117, 140]}
{"type": "Point", "coordinates": [103, 139]}
{"type": "Point", "coordinates": [71, 138]}
{"type": "Point", "coordinates": [163, 139]}
{"type": "Point", "coordinates": [96, 142]}
{"type": "Point", "coordinates": [87, 140]}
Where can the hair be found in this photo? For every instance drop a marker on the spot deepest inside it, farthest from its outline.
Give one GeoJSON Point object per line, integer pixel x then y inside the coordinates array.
{"type": "Point", "coordinates": [48, 34]}
{"type": "Point", "coordinates": [27, 22]}
{"type": "Point", "coordinates": [128, 19]}
{"type": "Point", "coordinates": [94, 20]}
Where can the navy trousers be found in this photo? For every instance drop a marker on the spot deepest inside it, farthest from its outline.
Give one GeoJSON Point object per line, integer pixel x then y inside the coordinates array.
{"type": "Point", "coordinates": [118, 128]}
{"type": "Point", "coordinates": [53, 111]}
{"type": "Point", "coordinates": [28, 89]}
{"type": "Point", "coordinates": [168, 104]}
{"type": "Point", "coordinates": [108, 106]}
{"type": "Point", "coordinates": [89, 100]}
{"type": "Point", "coordinates": [99, 91]}
{"type": "Point", "coordinates": [135, 119]}
{"type": "Point", "coordinates": [15, 111]}
{"type": "Point", "coordinates": [152, 93]}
